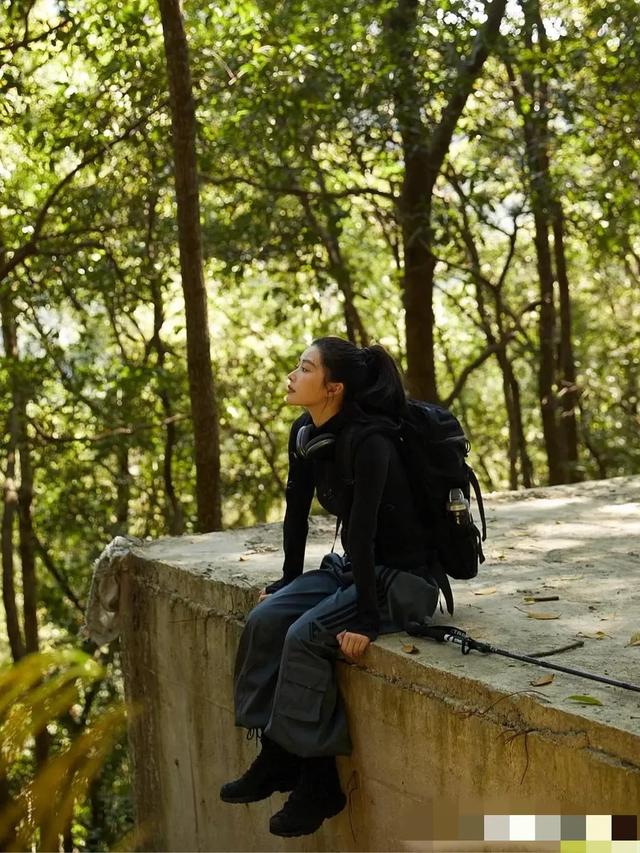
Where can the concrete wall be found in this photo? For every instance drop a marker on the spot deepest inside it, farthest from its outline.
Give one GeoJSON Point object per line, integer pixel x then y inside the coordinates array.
{"type": "Point", "coordinates": [435, 735]}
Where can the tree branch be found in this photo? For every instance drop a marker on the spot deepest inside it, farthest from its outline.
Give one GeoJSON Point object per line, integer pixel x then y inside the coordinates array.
{"type": "Point", "coordinates": [58, 575]}
{"type": "Point", "coordinates": [293, 189]}
{"type": "Point", "coordinates": [103, 436]}
{"type": "Point", "coordinates": [29, 248]}
{"type": "Point", "coordinates": [468, 72]}
{"type": "Point", "coordinates": [26, 40]}
{"type": "Point", "coordinates": [474, 365]}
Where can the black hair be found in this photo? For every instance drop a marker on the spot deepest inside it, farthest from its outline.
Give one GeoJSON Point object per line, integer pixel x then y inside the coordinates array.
{"type": "Point", "coordinates": [370, 375]}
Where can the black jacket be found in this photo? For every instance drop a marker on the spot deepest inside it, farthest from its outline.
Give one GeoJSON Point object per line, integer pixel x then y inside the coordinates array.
{"type": "Point", "coordinates": [382, 527]}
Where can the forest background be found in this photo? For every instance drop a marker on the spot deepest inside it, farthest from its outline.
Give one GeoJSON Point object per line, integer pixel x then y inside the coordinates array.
{"type": "Point", "coordinates": [185, 202]}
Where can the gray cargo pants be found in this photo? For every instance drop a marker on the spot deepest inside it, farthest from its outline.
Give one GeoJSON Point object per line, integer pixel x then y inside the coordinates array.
{"type": "Point", "coordinates": [285, 680]}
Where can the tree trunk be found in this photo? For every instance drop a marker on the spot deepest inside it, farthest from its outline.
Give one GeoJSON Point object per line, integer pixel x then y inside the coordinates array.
{"type": "Point", "coordinates": [502, 356]}
{"type": "Point", "coordinates": [19, 500]}
{"type": "Point", "coordinates": [510, 386]}
{"type": "Point", "coordinates": [175, 517]}
{"type": "Point", "coordinates": [507, 392]}
{"type": "Point", "coordinates": [123, 490]}
{"type": "Point", "coordinates": [566, 362]}
{"type": "Point", "coordinates": [414, 203]}
{"type": "Point", "coordinates": [27, 543]}
{"type": "Point", "coordinates": [27, 550]}
{"type": "Point", "coordinates": [9, 490]}
{"type": "Point", "coordinates": [547, 330]}
{"type": "Point", "coordinates": [201, 384]}
{"type": "Point", "coordinates": [526, 468]}
{"type": "Point", "coordinates": [424, 151]}
{"type": "Point", "coordinates": [517, 439]}
{"type": "Point", "coordinates": [534, 114]}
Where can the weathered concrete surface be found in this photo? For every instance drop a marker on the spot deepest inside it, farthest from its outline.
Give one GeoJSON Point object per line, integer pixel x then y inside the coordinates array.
{"type": "Point", "coordinates": [436, 735]}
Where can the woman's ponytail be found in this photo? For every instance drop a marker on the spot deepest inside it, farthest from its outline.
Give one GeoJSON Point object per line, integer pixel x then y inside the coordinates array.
{"type": "Point", "coordinates": [370, 375]}
{"type": "Point", "coordinates": [383, 391]}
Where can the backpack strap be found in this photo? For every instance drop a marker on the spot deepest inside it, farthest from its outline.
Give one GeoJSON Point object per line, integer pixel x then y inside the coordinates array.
{"type": "Point", "coordinates": [348, 441]}
{"type": "Point", "coordinates": [442, 580]}
{"type": "Point", "coordinates": [335, 538]}
{"type": "Point", "coordinates": [476, 488]}
{"type": "Point", "coordinates": [345, 451]}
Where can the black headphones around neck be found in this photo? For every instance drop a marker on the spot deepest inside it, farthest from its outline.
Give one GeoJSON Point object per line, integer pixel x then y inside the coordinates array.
{"type": "Point", "coordinates": [307, 446]}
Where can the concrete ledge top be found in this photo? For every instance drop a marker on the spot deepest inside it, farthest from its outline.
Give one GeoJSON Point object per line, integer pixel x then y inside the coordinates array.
{"type": "Point", "coordinates": [580, 543]}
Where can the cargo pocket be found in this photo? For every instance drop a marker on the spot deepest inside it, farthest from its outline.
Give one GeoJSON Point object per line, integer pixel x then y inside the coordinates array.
{"type": "Point", "coordinates": [302, 692]}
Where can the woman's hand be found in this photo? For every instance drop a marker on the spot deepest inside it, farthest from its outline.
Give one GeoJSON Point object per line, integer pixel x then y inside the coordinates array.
{"type": "Point", "coordinates": [352, 645]}
{"type": "Point", "coordinates": [263, 594]}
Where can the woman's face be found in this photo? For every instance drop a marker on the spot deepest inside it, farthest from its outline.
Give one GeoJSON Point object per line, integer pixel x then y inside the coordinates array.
{"type": "Point", "coordinates": [305, 384]}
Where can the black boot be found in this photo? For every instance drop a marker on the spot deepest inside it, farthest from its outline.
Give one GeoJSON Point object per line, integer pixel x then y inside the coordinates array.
{"type": "Point", "coordinates": [317, 796]}
{"type": "Point", "coordinates": [274, 769]}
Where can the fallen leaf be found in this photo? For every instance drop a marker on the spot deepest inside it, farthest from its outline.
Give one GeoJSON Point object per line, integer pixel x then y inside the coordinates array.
{"type": "Point", "coordinates": [410, 649]}
{"type": "Point", "coordinates": [543, 615]}
{"type": "Point", "coordinates": [488, 590]}
{"type": "Point", "coordinates": [599, 635]}
{"type": "Point", "coordinates": [635, 640]}
{"type": "Point", "coordinates": [584, 700]}
{"type": "Point", "coordinates": [540, 682]}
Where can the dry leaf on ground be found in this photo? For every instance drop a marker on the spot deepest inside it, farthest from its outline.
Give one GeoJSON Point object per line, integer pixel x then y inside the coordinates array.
{"type": "Point", "coordinates": [540, 682]}
{"type": "Point", "coordinates": [543, 615]}
{"type": "Point", "coordinates": [410, 649]}
{"type": "Point", "coordinates": [488, 590]}
{"type": "Point", "coordinates": [599, 635]}
{"type": "Point", "coordinates": [635, 640]}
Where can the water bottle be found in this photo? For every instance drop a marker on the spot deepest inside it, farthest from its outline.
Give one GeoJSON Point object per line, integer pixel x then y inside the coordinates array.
{"type": "Point", "coordinates": [458, 506]}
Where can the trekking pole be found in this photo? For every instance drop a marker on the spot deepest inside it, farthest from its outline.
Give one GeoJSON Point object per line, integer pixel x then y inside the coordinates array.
{"type": "Point", "coordinates": [451, 634]}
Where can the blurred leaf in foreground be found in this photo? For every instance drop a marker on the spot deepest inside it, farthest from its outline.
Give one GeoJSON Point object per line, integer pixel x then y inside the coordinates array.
{"type": "Point", "coordinates": [33, 693]}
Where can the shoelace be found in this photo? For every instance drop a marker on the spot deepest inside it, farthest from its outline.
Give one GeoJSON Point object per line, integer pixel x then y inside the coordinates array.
{"type": "Point", "coordinates": [255, 734]}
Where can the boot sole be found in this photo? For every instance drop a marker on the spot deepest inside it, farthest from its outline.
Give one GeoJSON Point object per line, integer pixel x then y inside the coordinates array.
{"type": "Point", "coordinates": [294, 833]}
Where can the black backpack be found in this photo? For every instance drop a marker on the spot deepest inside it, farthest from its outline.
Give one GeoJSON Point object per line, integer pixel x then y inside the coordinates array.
{"type": "Point", "coordinates": [433, 447]}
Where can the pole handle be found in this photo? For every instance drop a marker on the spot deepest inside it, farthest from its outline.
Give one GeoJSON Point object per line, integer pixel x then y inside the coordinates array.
{"type": "Point", "coordinates": [448, 634]}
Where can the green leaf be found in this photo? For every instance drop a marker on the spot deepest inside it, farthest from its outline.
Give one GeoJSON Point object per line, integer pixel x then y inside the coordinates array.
{"type": "Point", "coordinates": [584, 699]}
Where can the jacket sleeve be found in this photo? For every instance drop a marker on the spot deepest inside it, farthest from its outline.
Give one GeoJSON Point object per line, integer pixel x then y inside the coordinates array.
{"type": "Point", "coordinates": [371, 465]}
{"type": "Point", "coordinates": [298, 494]}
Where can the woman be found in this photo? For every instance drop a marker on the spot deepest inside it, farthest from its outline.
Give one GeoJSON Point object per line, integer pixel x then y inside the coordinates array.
{"type": "Point", "coordinates": [285, 684]}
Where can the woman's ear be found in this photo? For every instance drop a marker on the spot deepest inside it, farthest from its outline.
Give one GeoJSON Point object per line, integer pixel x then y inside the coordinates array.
{"type": "Point", "coordinates": [335, 388]}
